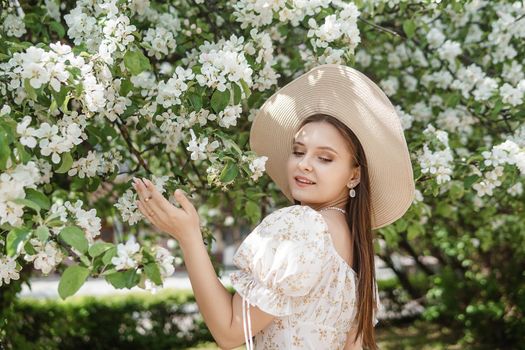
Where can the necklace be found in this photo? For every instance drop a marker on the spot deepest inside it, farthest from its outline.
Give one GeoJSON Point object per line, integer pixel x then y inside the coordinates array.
{"type": "Point", "coordinates": [334, 208]}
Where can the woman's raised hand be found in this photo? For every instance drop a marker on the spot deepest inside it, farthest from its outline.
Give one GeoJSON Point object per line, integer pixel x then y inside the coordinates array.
{"type": "Point", "coordinates": [183, 223]}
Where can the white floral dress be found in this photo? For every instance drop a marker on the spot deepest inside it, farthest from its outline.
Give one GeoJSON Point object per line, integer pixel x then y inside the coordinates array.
{"type": "Point", "coordinates": [289, 268]}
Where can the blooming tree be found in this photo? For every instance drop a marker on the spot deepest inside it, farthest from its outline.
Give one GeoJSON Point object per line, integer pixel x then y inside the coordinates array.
{"type": "Point", "coordinates": [93, 93]}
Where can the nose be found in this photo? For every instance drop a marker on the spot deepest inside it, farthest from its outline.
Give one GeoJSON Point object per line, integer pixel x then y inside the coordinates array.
{"type": "Point", "coordinates": [304, 164]}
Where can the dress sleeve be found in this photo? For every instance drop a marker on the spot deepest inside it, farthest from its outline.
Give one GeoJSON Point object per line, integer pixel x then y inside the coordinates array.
{"type": "Point", "coordinates": [281, 259]}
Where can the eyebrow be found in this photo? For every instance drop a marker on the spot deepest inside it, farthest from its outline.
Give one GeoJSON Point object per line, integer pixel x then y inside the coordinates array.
{"type": "Point", "coordinates": [320, 147]}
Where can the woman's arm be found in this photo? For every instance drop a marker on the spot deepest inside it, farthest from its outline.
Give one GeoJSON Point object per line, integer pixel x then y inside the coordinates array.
{"type": "Point", "coordinates": [221, 311]}
{"type": "Point", "coordinates": [350, 345]}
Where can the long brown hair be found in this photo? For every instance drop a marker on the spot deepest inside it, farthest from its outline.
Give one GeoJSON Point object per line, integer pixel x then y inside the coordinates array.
{"type": "Point", "coordinates": [359, 222]}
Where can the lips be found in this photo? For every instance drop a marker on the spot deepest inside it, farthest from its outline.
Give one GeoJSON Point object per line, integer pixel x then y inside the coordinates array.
{"type": "Point", "coordinates": [303, 180]}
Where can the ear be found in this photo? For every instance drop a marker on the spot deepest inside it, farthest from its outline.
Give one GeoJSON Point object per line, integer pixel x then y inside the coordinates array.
{"type": "Point", "coordinates": [356, 176]}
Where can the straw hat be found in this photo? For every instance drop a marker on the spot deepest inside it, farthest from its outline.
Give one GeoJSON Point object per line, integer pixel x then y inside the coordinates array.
{"type": "Point", "coordinates": [358, 102]}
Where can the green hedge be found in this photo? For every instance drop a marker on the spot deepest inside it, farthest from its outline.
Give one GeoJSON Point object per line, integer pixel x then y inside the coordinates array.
{"type": "Point", "coordinates": [166, 320]}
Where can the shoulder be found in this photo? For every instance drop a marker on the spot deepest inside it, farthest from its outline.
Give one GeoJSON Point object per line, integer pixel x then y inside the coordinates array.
{"type": "Point", "coordinates": [298, 220]}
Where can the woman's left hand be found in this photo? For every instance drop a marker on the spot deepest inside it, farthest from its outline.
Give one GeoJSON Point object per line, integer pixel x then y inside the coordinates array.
{"type": "Point", "coordinates": [181, 223]}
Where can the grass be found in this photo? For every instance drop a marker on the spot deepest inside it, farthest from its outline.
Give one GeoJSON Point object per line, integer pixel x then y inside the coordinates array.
{"type": "Point", "coordinates": [419, 335]}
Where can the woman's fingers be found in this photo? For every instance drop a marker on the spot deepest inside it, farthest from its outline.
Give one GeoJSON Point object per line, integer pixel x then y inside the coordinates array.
{"type": "Point", "coordinates": [158, 209]}
{"type": "Point", "coordinates": [157, 202]}
{"type": "Point", "coordinates": [149, 197]}
{"type": "Point", "coordinates": [145, 212]}
{"type": "Point", "coordinates": [184, 201]}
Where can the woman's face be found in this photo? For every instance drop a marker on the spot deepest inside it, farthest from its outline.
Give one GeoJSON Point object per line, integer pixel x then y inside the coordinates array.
{"type": "Point", "coordinates": [320, 154]}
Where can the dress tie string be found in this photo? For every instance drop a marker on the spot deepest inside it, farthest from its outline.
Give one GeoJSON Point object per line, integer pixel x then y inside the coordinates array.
{"type": "Point", "coordinates": [246, 319]}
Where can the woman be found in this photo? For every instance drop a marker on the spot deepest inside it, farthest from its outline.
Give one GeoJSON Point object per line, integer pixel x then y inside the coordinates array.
{"type": "Point", "coordinates": [306, 279]}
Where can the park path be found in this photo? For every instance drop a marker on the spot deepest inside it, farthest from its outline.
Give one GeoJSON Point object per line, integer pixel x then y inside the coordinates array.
{"type": "Point", "coordinates": [48, 287]}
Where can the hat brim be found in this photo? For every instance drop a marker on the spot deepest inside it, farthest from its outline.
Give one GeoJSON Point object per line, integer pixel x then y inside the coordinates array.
{"type": "Point", "coordinates": [354, 99]}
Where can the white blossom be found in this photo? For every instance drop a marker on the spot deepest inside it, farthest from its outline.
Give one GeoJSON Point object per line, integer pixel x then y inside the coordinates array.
{"type": "Point", "coordinates": [449, 51]}
{"type": "Point", "coordinates": [390, 85]}
{"type": "Point", "coordinates": [222, 63]}
{"type": "Point", "coordinates": [126, 255]}
{"type": "Point", "coordinates": [435, 38]}
{"type": "Point", "coordinates": [87, 220]}
{"type": "Point", "coordinates": [200, 148]}
{"type": "Point", "coordinates": [27, 133]}
{"type": "Point", "coordinates": [48, 255]}
{"type": "Point", "coordinates": [165, 261]}
{"type": "Point", "coordinates": [439, 162]}
{"type": "Point", "coordinates": [14, 25]}
{"type": "Point", "coordinates": [511, 95]}
{"type": "Point", "coordinates": [128, 208]}
{"type": "Point", "coordinates": [8, 270]}
{"type": "Point", "coordinates": [229, 116]}
{"type": "Point", "coordinates": [257, 166]}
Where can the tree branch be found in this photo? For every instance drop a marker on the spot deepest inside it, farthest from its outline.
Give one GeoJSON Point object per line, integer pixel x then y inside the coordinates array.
{"type": "Point", "coordinates": [124, 131]}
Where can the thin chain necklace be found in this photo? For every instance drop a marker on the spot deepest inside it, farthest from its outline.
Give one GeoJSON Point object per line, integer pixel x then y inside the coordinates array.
{"type": "Point", "coordinates": [334, 208]}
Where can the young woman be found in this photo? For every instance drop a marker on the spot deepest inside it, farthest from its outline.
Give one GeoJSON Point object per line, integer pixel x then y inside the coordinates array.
{"type": "Point", "coordinates": [306, 277]}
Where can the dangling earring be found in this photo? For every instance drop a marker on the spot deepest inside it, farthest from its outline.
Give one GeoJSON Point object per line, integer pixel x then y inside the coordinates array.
{"type": "Point", "coordinates": [351, 193]}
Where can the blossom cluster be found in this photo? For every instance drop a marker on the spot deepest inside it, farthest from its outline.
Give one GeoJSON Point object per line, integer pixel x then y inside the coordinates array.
{"type": "Point", "coordinates": [437, 162]}
{"type": "Point", "coordinates": [13, 184]}
{"type": "Point", "coordinates": [507, 152]}
{"type": "Point", "coordinates": [223, 63]}
{"type": "Point", "coordinates": [342, 26]}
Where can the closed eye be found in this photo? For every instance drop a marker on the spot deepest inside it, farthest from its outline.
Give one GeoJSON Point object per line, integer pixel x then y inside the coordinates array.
{"type": "Point", "coordinates": [301, 153]}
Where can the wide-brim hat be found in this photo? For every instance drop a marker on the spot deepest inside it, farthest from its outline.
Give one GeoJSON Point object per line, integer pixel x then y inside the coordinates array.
{"type": "Point", "coordinates": [354, 99]}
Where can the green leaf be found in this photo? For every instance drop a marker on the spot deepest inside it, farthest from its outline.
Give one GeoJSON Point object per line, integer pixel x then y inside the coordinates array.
{"type": "Point", "coordinates": [196, 101]}
{"type": "Point", "coordinates": [108, 255]}
{"type": "Point", "coordinates": [457, 190]}
{"type": "Point", "coordinates": [4, 149]}
{"type": "Point", "coordinates": [108, 272]}
{"type": "Point", "coordinates": [57, 28]}
{"type": "Point", "coordinates": [15, 238]}
{"type": "Point", "coordinates": [29, 249]}
{"type": "Point", "coordinates": [236, 94]}
{"type": "Point", "coordinates": [67, 162]}
{"type": "Point", "coordinates": [136, 62]}
{"type": "Point", "coordinates": [253, 211]}
{"type": "Point", "coordinates": [75, 237]}
{"type": "Point", "coordinates": [246, 88]}
{"type": "Point", "coordinates": [60, 96]}
{"type": "Point", "coordinates": [27, 203]}
{"type": "Point", "coordinates": [453, 99]}
{"type": "Point", "coordinates": [23, 154]}
{"type": "Point", "coordinates": [409, 26]}
{"type": "Point", "coordinates": [72, 279]}
{"type": "Point", "coordinates": [38, 198]}
{"type": "Point", "coordinates": [98, 248]}
{"type": "Point", "coordinates": [153, 273]}
{"type": "Point", "coordinates": [123, 279]}
{"type": "Point", "coordinates": [125, 87]}
{"type": "Point", "coordinates": [31, 92]}
{"type": "Point", "coordinates": [401, 225]}
{"type": "Point", "coordinates": [228, 143]}
{"type": "Point", "coordinates": [469, 180]}
{"type": "Point", "coordinates": [42, 233]}
{"type": "Point", "coordinates": [85, 260]}
{"type": "Point", "coordinates": [219, 100]}
{"type": "Point", "coordinates": [93, 184]}
{"type": "Point", "coordinates": [229, 173]}
{"type": "Point", "coordinates": [94, 135]}
{"type": "Point", "coordinates": [414, 231]}
{"type": "Point", "coordinates": [391, 236]}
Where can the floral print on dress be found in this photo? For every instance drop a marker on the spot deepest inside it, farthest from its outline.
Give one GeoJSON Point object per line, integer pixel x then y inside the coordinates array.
{"type": "Point", "coordinates": [289, 267]}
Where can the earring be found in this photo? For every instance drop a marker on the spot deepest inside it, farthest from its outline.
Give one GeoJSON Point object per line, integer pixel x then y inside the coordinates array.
{"type": "Point", "coordinates": [351, 193]}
